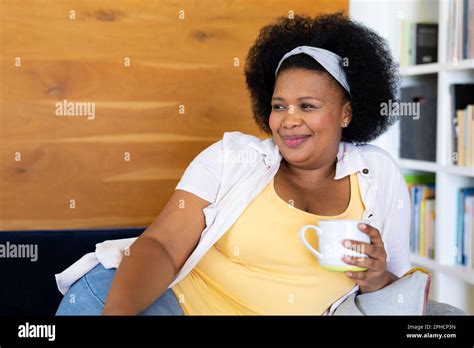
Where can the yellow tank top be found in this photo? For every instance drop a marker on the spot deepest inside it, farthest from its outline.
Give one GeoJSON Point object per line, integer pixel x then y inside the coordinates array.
{"type": "Point", "coordinates": [261, 267]}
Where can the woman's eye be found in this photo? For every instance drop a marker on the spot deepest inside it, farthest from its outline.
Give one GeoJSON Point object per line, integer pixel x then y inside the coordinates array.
{"type": "Point", "coordinates": [278, 107]}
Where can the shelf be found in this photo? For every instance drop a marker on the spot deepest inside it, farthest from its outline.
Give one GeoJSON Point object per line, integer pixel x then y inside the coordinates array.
{"type": "Point", "coordinates": [464, 171]}
{"type": "Point", "coordinates": [460, 65]}
{"type": "Point", "coordinates": [421, 69]}
{"type": "Point", "coordinates": [432, 167]}
{"type": "Point", "coordinates": [423, 166]}
{"type": "Point", "coordinates": [460, 272]}
{"type": "Point", "coordinates": [434, 68]}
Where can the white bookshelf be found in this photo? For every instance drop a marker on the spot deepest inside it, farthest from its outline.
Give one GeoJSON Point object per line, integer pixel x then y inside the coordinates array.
{"type": "Point", "coordinates": [416, 70]}
{"type": "Point", "coordinates": [453, 284]}
{"type": "Point", "coordinates": [431, 167]}
{"type": "Point", "coordinates": [434, 68]}
{"type": "Point", "coordinates": [463, 64]}
{"type": "Point", "coordinates": [459, 272]}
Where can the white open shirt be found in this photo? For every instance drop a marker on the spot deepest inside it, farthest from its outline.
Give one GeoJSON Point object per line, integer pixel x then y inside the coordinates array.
{"type": "Point", "coordinates": [233, 171]}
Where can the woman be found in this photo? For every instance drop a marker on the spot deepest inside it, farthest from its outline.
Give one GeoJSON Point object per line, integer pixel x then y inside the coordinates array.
{"type": "Point", "coordinates": [227, 241]}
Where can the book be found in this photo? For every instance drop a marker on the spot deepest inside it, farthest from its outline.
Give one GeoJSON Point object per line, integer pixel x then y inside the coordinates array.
{"type": "Point", "coordinates": [430, 218]}
{"type": "Point", "coordinates": [461, 116]}
{"type": "Point", "coordinates": [422, 195]}
{"type": "Point", "coordinates": [403, 53]}
{"type": "Point", "coordinates": [425, 43]}
{"type": "Point", "coordinates": [460, 30]}
{"type": "Point", "coordinates": [470, 29]}
{"type": "Point", "coordinates": [462, 96]}
{"type": "Point", "coordinates": [419, 178]}
{"type": "Point", "coordinates": [418, 43]}
{"type": "Point", "coordinates": [465, 30]}
{"type": "Point", "coordinates": [423, 234]}
{"type": "Point", "coordinates": [462, 234]}
{"type": "Point", "coordinates": [427, 193]}
{"type": "Point", "coordinates": [469, 230]}
{"type": "Point", "coordinates": [470, 135]}
{"type": "Point", "coordinates": [464, 136]}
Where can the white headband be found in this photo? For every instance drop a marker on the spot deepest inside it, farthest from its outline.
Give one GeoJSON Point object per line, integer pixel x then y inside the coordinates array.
{"type": "Point", "coordinates": [328, 60]}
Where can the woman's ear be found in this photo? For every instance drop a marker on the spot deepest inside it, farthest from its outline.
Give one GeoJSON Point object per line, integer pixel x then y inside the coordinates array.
{"type": "Point", "coordinates": [346, 114]}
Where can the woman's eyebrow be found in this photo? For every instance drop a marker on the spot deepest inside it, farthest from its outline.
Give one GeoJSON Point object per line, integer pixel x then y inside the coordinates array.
{"type": "Point", "coordinates": [299, 98]}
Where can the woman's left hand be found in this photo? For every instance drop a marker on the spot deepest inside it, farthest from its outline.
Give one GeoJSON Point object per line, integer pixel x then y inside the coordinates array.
{"type": "Point", "coordinates": [376, 276]}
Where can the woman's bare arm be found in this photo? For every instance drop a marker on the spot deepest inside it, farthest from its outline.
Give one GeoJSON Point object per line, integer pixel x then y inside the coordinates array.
{"type": "Point", "coordinates": [157, 255]}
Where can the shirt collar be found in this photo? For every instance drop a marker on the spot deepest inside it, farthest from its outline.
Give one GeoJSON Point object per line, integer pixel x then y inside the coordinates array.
{"type": "Point", "coordinates": [349, 161]}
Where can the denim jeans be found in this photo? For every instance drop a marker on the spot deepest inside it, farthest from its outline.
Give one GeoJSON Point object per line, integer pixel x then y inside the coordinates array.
{"type": "Point", "coordinates": [88, 294]}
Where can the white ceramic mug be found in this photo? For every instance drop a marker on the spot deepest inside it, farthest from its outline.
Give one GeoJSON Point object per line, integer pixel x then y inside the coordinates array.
{"type": "Point", "coordinates": [330, 234]}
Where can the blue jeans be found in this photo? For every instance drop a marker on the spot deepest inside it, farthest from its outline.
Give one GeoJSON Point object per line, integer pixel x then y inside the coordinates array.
{"type": "Point", "coordinates": [87, 296]}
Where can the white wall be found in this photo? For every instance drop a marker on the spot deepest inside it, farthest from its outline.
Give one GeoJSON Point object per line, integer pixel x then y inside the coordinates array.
{"type": "Point", "coordinates": [374, 14]}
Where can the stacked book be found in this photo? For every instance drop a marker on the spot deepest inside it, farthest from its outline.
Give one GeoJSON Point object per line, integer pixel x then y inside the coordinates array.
{"type": "Point", "coordinates": [422, 194]}
{"type": "Point", "coordinates": [465, 227]}
{"type": "Point", "coordinates": [460, 30]}
{"type": "Point", "coordinates": [463, 124]}
{"type": "Point", "coordinates": [464, 136]}
{"type": "Point", "coordinates": [418, 43]}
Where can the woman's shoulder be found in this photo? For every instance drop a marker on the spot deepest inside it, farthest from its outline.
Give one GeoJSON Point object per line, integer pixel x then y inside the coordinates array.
{"type": "Point", "coordinates": [375, 154]}
{"type": "Point", "coordinates": [231, 143]}
{"type": "Point", "coordinates": [379, 160]}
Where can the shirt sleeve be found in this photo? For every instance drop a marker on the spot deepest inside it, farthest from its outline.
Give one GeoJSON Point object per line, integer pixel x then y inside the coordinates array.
{"type": "Point", "coordinates": [203, 175]}
{"type": "Point", "coordinates": [397, 242]}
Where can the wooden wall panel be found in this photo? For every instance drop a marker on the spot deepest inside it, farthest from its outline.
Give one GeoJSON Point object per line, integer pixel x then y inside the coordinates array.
{"type": "Point", "coordinates": [173, 62]}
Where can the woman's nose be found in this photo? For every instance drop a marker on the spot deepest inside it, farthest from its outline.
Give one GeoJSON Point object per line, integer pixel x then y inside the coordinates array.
{"type": "Point", "coordinates": [291, 117]}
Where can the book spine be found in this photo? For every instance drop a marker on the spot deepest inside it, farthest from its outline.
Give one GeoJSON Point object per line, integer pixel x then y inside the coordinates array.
{"type": "Point", "coordinates": [465, 138]}
{"type": "Point", "coordinates": [470, 34]}
{"type": "Point", "coordinates": [417, 219]}
{"type": "Point", "coordinates": [454, 127]}
{"type": "Point", "coordinates": [460, 118]}
{"type": "Point", "coordinates": [451, 43]}
{"type": "Point", "coordinates": [412, 231]}
{"type": "Point", "coordinates": [433, 234]}
{"type": "Point", "coordinates": [469, 207]}
{"type": "Point", "coordinates": [465, 29]}
{"type": "Point", "coordinates": [411, 44]}
{"type": "Point", "coordinates": [470, 135]}
{"type": "Point", "coordinates": [422, 225]}
{"type": "Point", "coordinates": [468, 227]}
{"type": "Point", "coordinates": [431, 223]}
{"type": "Point", "coordinates": [459, 230]}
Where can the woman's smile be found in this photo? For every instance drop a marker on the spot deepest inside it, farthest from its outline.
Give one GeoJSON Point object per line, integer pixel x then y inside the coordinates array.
{"type": "Point", "coordinates": [294, 142]}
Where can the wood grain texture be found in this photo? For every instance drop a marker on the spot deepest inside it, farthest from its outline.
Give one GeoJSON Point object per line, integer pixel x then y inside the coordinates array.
{"type": "Point", "coordinates": [173, 62]}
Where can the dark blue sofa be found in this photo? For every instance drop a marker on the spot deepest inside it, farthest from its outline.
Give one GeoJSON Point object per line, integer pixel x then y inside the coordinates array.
{"type": "Point", "coordinates": [29, 288]}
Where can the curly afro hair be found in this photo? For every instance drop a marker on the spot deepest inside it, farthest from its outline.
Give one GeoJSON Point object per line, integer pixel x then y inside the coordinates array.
{"type": "Point", "coordinates": [370, 70]}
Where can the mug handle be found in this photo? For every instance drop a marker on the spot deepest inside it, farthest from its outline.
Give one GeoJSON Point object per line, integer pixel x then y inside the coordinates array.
{"type": "Point", "coordinates": [303, 239]}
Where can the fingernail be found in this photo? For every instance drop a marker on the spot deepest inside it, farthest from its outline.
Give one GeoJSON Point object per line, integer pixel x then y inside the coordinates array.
{"type": "Point", "coordinates": [363, 226]}
{"type": "Point", "coordinates": [347, 244]}
{"type": "Point", "coordinates": [349, 274]}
